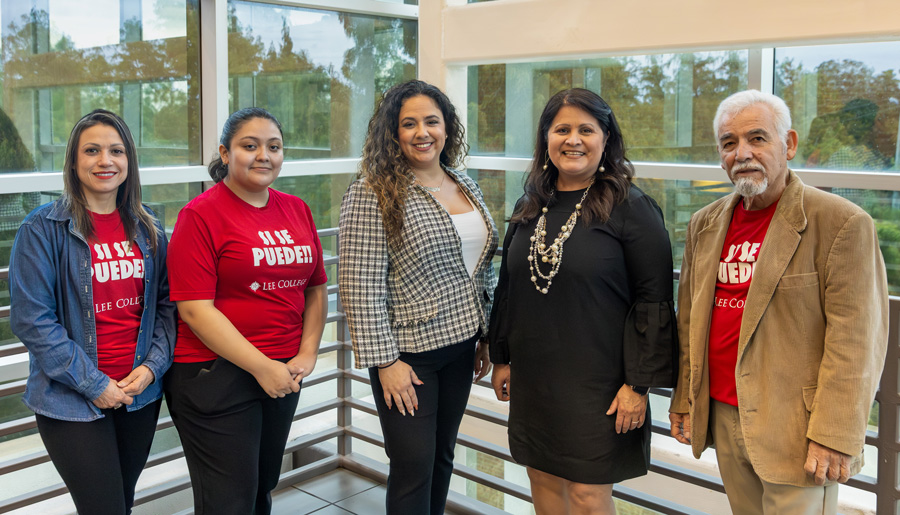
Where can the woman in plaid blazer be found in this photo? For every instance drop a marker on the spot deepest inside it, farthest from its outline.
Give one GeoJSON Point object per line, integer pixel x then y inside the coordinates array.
{"type": "Point", "coordinates": [416, 282]}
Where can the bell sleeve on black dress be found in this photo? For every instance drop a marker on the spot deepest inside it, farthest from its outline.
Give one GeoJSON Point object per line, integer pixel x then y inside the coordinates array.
{"type": "Point", "coordinates": [499, 323]}
{"type": "Point", "coordinates": [651, 338]}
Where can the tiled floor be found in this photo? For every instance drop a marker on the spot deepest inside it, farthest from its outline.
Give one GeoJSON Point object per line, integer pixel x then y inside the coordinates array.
{"type": "Point", "coordinates": [338, 492]}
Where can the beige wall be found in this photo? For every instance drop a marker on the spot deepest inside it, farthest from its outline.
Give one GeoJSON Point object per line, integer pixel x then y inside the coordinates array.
{"type": "Point", "coordinates": [528, 30]}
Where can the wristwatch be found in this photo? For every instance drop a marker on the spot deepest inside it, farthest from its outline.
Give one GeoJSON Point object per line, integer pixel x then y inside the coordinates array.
{"type": "Point", "coordinates": [640, 390]}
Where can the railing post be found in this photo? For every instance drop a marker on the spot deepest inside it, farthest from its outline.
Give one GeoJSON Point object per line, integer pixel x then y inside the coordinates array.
{"type": "Point", "coordinates": [344, 383]}
{"type": "Point", "coordinates": [888, 412]}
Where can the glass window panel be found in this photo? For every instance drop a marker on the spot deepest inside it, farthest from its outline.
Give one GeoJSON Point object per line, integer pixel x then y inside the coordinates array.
{"type": "Point", "coordinates": [12, 408]}
{"type": "Point", "coordinates": [884, 207]}
{"type": "Point", "coordinates": [873, 417]}
{"type": "Point", "coordinates": [679, 199]}
{"type": "Point", "coordinates": [323, 194]}
{"type": "Point", "coordinates": [845, 103]}
{"type": "Point", "coordinates": [163, 19]}
{"type": "Point", "coordinates": [315, 394]}
{"type": "Point", "coordinates": [74, 27]}
{"type": "Point", "coordinates": [28, 480]}
{"type": "Point", "coordinates": [58, 65]}
{"type": "Point", "coordinates": [164, 123]}
{"type": "Point", "coordinates": [319, 72]}
{"type": "Point", "coordinates": [664, 103]}
{"type": "Point", "coordinates": [166, 200]}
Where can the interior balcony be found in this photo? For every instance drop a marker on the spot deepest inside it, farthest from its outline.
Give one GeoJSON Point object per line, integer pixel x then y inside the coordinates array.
{"type": "Point", "coordinates": [334, 462]}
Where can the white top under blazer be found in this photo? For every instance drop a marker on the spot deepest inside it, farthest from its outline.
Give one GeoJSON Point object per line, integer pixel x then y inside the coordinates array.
{"type": "Point", "coordinates": [473, 235]}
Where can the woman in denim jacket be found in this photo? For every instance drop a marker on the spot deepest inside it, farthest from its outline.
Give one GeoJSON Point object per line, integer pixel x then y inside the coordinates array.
{"type": "Point", "coordinates": [94, 312]}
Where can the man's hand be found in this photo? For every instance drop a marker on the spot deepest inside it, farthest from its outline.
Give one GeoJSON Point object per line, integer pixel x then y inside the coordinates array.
{"type": "Point", "coordinates": [824, 463]}
{"type": "Point", "coordinates": [681, 427]}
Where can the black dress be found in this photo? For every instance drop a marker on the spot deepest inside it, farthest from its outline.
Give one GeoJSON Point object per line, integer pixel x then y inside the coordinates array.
{"type": "Point", "coordinates": [607, 320]}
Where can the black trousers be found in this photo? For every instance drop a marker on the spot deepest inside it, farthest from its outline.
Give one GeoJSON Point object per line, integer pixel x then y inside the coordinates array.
{"type": "Point", "coordinates": [421, 447]}
{"type": "Point", "coordinates": [100, 461]}
{"type": "Point", "coordinates": [233, 435]}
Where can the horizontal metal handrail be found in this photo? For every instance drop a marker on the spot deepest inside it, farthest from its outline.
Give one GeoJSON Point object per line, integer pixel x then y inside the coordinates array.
{"type": "Point", "coordinates": [376, 470]}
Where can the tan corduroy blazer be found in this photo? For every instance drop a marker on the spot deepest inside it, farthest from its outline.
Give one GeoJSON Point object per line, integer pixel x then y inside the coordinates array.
{"type": "Point", "coordinates": [813, 334]}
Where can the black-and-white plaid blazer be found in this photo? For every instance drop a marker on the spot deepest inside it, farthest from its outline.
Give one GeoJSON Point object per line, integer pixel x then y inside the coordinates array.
{"type": "Point", "coordinates": [419, 297]}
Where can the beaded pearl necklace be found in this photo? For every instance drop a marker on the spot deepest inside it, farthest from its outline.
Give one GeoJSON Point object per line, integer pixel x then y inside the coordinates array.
{"type": "Point", "coordinates": [553, 254]}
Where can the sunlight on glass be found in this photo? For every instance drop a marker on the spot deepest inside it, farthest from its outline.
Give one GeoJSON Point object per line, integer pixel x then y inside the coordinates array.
{"type": "Point", "coordinates": [319, 72]}
{"type": "Point", "coordinates": [163, 19]}
{"type": "Point", "coordinates": [74, 27]}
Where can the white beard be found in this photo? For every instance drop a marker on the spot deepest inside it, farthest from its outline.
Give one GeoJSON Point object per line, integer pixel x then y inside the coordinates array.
{"type": "Point", "coordinates": [747, 187]}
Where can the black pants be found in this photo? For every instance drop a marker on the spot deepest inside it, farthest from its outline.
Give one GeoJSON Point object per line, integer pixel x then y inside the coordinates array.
{"type": "Point", "coordinates": [233, 435]}
{"type": "Point", "coordinates": [420, 447]}
{"type": "Point", "coordinates": [100, 461]}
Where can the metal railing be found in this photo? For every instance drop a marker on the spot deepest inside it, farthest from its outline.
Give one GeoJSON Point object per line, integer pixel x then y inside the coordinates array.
{"type": "Point", "coordinates": [345, 434]}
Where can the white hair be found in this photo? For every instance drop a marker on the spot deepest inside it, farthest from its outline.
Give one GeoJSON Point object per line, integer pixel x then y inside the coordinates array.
{"type": "Point", "coordinates": [737, 102]}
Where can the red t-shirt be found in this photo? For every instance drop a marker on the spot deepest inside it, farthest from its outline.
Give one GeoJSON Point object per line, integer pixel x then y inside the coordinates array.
{"type": "Point", "coordinates": [739, 256]}
{"type": "Point", "coordinates": [117, 282]}
{"type": "Point", "coordinates": [254, 262]}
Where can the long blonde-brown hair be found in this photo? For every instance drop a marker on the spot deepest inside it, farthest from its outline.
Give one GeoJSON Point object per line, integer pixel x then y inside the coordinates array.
{"type": "Point", "coordinates": [383, 165]}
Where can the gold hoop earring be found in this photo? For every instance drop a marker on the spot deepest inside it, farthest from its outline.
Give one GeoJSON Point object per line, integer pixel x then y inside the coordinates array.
{"type": "Point", "coordinates": [547, 160]}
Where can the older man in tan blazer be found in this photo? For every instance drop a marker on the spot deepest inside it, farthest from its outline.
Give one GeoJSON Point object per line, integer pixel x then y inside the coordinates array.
{"type": "Point", "coordinates": [782, 313]}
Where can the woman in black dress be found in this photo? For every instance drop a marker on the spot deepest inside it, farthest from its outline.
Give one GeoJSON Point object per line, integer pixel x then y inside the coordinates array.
{"type": "Point", "coordinates": [583, 316]}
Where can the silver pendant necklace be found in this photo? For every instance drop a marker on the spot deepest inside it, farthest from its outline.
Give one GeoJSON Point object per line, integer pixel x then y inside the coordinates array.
{"type": "Point", "coordinates": [433, 189]}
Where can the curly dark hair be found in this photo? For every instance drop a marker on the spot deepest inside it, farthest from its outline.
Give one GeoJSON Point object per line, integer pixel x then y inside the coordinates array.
{"type": "Point", "coordinates": [610, 187]}
{"type": "Point", "coordinates": [383, 164]}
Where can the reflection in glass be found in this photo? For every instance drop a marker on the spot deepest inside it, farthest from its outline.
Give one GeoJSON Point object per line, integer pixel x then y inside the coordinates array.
{"type": "Point", "coordinates": [163, 19]}
{"type": "Point", "coordinates": [322, 193]}
{"type": "Point", "coordinates": [884, 207]}
{"type": "Point", "coordinates": [139, 59]}
{"type": "Point", "coordinates": [680, 199]}
{"type": "Point", "coordinates": [74, 27]}
{"type": "Point", "coordinates": [318, 72]}
{"type": "Point", "coordinates": [166, 200]}
{"type": "Point", "coordinates": [845, 104]}
{"type": "Point", "coordinates": [665, 103]}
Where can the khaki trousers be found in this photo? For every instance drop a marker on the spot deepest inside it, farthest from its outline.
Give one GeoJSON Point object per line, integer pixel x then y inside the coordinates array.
{"type": "Point", "coordinates": [747, 493]}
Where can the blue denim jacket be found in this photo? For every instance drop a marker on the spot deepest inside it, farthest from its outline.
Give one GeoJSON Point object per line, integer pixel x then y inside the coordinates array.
{"type": "Point", "coordinates": [51, 311]}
